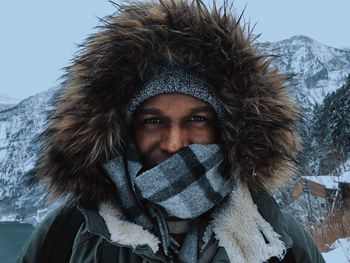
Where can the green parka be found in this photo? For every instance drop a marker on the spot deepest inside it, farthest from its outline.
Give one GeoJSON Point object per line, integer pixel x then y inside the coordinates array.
{"type": "Point", "coordinates": [93, 241]}
{"type": "Point", "coordinates": [88, 124]}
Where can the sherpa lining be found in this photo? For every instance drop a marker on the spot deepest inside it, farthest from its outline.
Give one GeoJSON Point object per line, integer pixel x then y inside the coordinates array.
{"type": "Point", "coordinates": [237, 226]}
{"type": "Point", "coordinates": [124, 232]}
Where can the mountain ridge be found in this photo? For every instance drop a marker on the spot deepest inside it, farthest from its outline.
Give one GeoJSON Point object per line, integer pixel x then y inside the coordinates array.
{"type": "Point", "coordinates": [318, 70]}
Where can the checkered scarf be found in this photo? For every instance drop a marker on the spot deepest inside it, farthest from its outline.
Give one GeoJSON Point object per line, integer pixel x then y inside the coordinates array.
{"type": "Point", "coordinates": [188, 184]}
{"type": "Point", "coordinates": [185, 186]}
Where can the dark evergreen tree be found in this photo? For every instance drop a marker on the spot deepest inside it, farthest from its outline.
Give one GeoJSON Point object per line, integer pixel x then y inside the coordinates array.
{"type": "Point", "coordinates": [331, 130]}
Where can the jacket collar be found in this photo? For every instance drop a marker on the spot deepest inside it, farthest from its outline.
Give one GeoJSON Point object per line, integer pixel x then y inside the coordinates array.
{"type": "Point", "coordinates": [243, 231]}
{"type": "Point", "coordinates": [271, 212]}
{"type": "Point", "coordinates": [231, 225]}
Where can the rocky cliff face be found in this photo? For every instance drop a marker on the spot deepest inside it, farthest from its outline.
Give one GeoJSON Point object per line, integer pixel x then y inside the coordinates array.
{"type": "Point", "coordinates": [19, 127]}
{"type": "Point", "coordinates": [318, 70]}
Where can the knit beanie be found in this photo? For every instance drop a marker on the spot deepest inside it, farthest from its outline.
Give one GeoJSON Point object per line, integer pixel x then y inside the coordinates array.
{"type": "Point", "coordinates": [171, 79]}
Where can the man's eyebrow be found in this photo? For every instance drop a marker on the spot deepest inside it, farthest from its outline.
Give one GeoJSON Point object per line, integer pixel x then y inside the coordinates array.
{"type": "Point", "coordinates": [149, 111]}
{"type": "Point", "coordinates": [201, 109]}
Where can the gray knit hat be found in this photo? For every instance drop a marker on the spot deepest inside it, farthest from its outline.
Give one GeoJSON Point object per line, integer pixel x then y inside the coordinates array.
{"type": "Point", "coordinates": [171, 79]}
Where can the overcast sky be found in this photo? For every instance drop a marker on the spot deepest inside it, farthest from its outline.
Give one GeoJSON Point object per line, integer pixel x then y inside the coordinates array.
{"type": "Point", "coordinates": [39, 37]}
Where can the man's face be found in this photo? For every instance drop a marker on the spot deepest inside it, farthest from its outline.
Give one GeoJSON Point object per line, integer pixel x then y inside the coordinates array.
{"type": "Point", "coordinates": [166, 123]}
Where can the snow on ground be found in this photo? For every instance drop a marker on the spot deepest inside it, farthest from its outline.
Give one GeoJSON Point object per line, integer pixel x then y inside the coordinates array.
{"type": "Point", "coordinates": [340, 252]}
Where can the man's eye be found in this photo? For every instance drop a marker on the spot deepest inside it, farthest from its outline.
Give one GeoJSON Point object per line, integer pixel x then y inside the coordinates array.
{"type": "Point", "coordinates": [152, 121]}
{"type": "Point", "coordinates": [198, 118]}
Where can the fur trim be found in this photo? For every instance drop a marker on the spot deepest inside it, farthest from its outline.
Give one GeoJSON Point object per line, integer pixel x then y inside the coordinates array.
{"type": "Point", "coordinates": [124, 232]}
{"type": "Point", "coordinates": [88, 124]}
{"type": "Point", "coordinates": [239, 227]}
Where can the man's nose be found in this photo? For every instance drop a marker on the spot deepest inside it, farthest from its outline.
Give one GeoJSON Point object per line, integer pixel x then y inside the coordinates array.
{"type": "Point", "coordinates": [173, 140]}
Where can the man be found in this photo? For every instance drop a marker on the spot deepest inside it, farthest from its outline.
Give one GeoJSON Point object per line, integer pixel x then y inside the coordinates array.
{"type": "Point", "coordinates": [168, 134]}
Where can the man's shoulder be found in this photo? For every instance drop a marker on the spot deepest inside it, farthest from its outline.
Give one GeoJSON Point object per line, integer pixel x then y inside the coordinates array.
{"type": "Point", "coordinates": [304, 247]}
{"type": "Point", "coordinates": [59, 228]}
{"type": "Point", "coordinates": [41, 230]}
{"type": "Point", "coordinates": [61, 217]}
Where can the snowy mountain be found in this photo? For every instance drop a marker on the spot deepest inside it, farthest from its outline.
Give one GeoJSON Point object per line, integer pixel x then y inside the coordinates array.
{"type": "Point", "coordinates": [319, 69]}
{"type": "Point", "coordinates": [7, 102]}
{"type": "Point", "coordinates": [19, 127]}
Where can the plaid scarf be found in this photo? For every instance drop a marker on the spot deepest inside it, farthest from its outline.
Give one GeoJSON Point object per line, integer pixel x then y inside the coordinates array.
{"type": "Point", "coordinates": [185, 186]}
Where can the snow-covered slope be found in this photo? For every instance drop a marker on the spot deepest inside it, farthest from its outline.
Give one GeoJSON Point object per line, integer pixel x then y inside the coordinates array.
{"type": "Point", "coordinates": [19, 127]}
{"type": "Point", "coordinates": [319, 69]}
{"type": "Point", "coordinates": [339, 253]}
{"type": "Point", "coordinates": [6, 101]}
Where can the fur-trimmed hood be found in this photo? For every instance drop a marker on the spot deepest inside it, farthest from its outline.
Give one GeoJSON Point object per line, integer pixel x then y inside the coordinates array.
{"type": "Point", "coordinates": [89, 126]}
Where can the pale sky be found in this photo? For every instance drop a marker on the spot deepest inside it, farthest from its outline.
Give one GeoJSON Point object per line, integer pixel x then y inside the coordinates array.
{"type": "Point", "coordinates": [39, 37]}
